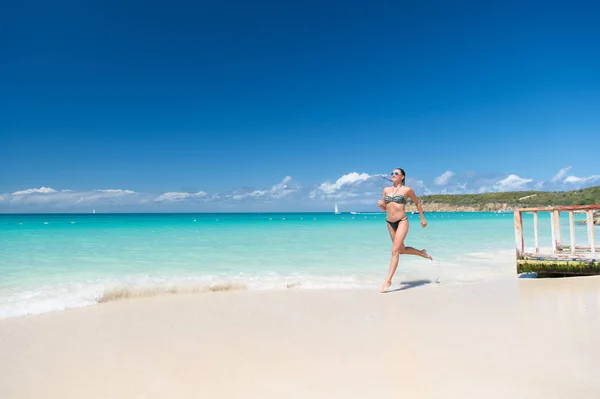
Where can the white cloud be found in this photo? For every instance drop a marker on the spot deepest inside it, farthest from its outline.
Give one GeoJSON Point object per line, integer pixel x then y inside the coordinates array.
{"type": "Point", "coordinates": [581, 180]}
{"type": "Point", "coordinates": [48, 198]}
{"type": "Point", "coordinates": [345, 180]}
{"type": "Point", "coordinates": [561, 178]}
{"type": "Point", "coordinates": [117, 192]}
{"type": "Point", "coordinates": [352, 188]}
{"type": "Point", "coordinates": [178, 196]}
{"type": "Point", "coordinates": [444, 178]}
{"type": "Point", "coordinates": [41, 190]}
{"type": "Point", "coordinates": [282, 189]}
{"type": "Point", "coordinates": [512, 183]}
{"type": "Point", "coordinates": [277, 191]}
{"type": "Point", "coordinates": [561, 174]}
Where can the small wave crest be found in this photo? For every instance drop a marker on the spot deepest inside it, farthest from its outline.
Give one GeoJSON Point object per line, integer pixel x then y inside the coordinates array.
{"type": "Point", "coordinates": [124, 292]}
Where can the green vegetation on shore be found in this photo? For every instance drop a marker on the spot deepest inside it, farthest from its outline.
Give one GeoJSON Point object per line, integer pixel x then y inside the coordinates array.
{"type": "Point", "coordinates": [521, 199]}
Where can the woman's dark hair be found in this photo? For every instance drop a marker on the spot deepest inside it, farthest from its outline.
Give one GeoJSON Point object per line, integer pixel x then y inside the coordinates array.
{"type": "Point", "coordinates": [403, 174]}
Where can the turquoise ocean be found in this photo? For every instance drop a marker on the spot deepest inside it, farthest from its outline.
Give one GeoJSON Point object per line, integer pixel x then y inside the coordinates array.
{"type": "Point", "coordinates": [51, 262]}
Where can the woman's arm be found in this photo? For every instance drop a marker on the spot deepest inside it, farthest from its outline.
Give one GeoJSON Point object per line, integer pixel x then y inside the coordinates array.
{"type": "Point", "coordinates": [411, 194]}
{"type": "Point", "coordinates": [381, 202]}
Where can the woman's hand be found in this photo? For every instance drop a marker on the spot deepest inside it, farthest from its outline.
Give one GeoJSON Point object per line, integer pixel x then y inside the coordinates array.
{"type": "Point", "coordinates": [381, 204]}
{"type": "Point", "coordinates": [423, 222]}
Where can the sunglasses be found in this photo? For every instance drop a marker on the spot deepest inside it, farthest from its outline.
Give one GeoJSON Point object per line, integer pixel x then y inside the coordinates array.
{"type": "Point", "coordinates": [395, 174]}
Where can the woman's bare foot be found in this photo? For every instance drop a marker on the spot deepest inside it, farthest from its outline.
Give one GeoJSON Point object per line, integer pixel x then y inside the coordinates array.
{"type": "Point", "coordinates": [385, 286]}
{"type": "Point", "coordinates": [426, 255]}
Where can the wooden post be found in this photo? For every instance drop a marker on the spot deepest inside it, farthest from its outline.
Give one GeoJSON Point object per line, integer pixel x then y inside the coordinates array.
{"type": "Point", "coordinates": [556, 239]}
{"type": "Point", "coordinates": [552, 228]}
{"type": "Point", "coordinates": [519, 233]}
{"type": "Point", "coordinates": [535, 232]}
{"type": "Point", "coordinates": [572, 230]}
{"type": "Point", "coordinates": [590, 228]}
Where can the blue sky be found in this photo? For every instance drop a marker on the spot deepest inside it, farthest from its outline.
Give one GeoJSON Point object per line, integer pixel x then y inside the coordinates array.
{"type": "Point", "coordinates": [191, 106]}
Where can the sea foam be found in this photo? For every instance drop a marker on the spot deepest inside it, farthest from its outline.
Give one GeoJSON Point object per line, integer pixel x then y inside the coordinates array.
{"type": "Point", "coordinates": [49, 298]}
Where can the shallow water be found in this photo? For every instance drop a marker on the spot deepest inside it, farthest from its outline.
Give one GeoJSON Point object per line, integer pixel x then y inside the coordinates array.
{"type": "Point", "coordinates": [58, 261]}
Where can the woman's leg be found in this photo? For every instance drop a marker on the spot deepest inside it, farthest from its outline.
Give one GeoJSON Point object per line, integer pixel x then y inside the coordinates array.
{"type": "Point", "coordinates": [399, 248]}
{"type": "Point", "coordinates": [399, 243]}
{"type": "Point", "coordinates": [392, 235]}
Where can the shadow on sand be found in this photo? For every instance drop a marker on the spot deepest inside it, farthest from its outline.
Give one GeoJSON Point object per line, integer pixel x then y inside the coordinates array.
{"type": "Point", "coordinates": [405, 285]}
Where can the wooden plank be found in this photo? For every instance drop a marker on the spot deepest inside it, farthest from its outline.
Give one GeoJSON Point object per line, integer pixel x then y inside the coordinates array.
{"type": "Point", "coordinates": [560, 208]}
{"type": "Point", "coordinates": [519, 234]}
{"type": "Point", "coordinates": [590, 231]}
{"type": "Point", "coordinates": [580, 248]}
{"type": "Point", "coordinates": [565, 250]}
{"type": "Point", "coordinates": [557, 256]}
{"type": "Point", "coordinates": [535, 232]}
{"type": "Point", "coordinates": [572, 230]}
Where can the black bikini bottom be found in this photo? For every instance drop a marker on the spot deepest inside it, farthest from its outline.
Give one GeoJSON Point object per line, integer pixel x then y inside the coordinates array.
{"type": "Point", "coordinates": [396, 223]}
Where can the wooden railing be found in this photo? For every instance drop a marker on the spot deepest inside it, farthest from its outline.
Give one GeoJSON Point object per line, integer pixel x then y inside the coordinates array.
{"type": "Point", "coordinates": [555, 228]}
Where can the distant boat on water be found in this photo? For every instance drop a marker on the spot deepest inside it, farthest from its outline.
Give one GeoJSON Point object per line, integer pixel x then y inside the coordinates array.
{"type": "Point", "coordinates": [337, 211]}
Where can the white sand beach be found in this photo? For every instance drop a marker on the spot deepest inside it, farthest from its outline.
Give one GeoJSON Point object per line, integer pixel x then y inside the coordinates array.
{"type": "Point", "coordinates": [517, 338]}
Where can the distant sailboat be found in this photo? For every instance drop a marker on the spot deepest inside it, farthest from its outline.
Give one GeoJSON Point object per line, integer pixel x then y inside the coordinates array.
{"type": "Point", "coordinates": [94, 211]}
{"type": "Point", "coordinates": [337, 212]}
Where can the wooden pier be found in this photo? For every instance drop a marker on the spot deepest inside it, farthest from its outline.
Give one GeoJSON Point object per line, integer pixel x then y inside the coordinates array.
{"type": "Point", "coordinates": [558, 260]}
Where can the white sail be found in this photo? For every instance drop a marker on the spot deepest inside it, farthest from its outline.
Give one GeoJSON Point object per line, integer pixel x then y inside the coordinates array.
{"type": "Point", "coordinates": [336, 209]}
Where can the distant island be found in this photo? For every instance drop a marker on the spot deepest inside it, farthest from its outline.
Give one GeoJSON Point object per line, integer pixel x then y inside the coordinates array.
{"type": "Point", "coordinates": [493, 202]}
